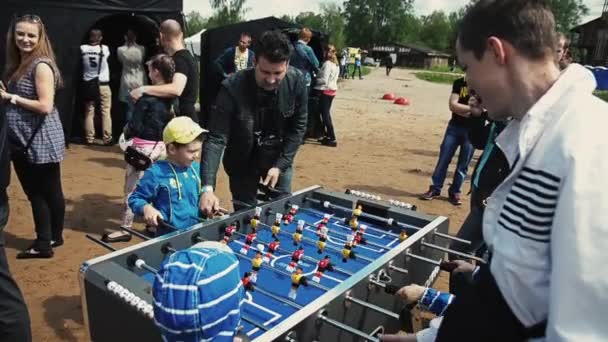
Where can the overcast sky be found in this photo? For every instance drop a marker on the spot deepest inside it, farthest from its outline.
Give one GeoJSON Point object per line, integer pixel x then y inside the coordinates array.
{"type": "Point", "coordinates": [265, 8]}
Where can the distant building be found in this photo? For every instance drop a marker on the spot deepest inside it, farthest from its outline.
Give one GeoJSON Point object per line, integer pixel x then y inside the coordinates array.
{"type": "Point", "coordinates": [591, 39]}
{"type": "Point", "coordinates": [409, 55]}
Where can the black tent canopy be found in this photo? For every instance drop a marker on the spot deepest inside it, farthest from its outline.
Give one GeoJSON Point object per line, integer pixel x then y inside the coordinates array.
{"type": "Point", "coordinates": [68, 23]}
{"type": "Point", "coordinates": [215, 41]}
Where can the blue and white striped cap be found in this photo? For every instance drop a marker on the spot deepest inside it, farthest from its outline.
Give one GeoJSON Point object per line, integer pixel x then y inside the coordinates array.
{"type": "Point", "coordinates": [198, 294]}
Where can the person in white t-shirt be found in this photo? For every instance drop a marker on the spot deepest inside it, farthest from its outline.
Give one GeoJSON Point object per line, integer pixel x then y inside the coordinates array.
{"type": "Point", "coordinates": [131, 55]}
{"type": "Point", "coordinates": [95, 66]}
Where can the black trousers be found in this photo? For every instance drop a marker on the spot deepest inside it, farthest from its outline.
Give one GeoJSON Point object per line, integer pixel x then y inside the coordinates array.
{"type": "Point", "coordinates": [325, 107]}
{"type": "Point", "coordinates": [14, 318]}
{"type": "Point", "coordinates": [42, 185]}
{"type": "Point", "coordinates": [480, 313]}
{"type": "Point", "coordinates": [244, 187]}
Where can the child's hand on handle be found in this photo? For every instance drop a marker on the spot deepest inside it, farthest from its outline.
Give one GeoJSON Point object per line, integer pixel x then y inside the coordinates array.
{"type": "Point", "coordinates": [152, 216]}
{"type": "Point", "coordinates": [411, 293]}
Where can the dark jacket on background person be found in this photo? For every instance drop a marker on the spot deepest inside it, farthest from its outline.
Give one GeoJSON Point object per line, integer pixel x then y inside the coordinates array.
{"type": "Point", "coordinates": [492, 167]}
{"type": "Point", "coordinates": [150, 116]}
{"type": "Point", "coordinates": [225, 62]}
{"type": "Point", "coordinates": [232, 124]}
{"type": "Point", "coordinates": [5, 159]}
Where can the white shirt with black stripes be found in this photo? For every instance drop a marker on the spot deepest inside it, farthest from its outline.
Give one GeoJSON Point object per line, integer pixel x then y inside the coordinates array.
{"type": "Point", "coordinates": [547, 223]}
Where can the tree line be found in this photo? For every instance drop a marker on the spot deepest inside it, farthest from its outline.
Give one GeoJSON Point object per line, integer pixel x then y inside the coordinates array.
{"type": "Point", "coordinates": [365, 23]}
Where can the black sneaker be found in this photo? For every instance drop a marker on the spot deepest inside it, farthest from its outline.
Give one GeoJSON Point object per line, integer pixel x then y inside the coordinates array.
{"type": "Point", "coordinates": [116, 236]}
{"type": "Point", "coordinates": [35, 253]}
{"type": "Point", "coordinates": [455, 199]}
{"type": "Point", "coordinates": [56, 243]}
{"type": "Point", "coordinates": [429, 195]}
{"type": "Point", "coordinates": [330, 143]}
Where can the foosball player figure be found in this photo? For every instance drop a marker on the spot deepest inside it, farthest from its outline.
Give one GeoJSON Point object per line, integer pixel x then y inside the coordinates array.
{"type": "Point", "coordinates": [347, 251]}
{"type": "Point", "coordinates": [247, 283]}
{"type": "Point", "coordinates": [359, 235]}
{"type": "Point", "coordinates": [297, 236]}
{"type": "Point", "coordinates": [354, 219]}
{"type": "Point", "coordinates": [402, 236]}
{"type": "Point", "coordinates": [248, 241]}
{"type": "Point", "coordinates": [323, 223]}
{"type": "Point", "coordinates": [228, 232]}
{"type": "Point", "coordinates": [295, 259]}
{"type": "Point", "coordinates": [322, 266]}
{"type": "Point", "coordinates": [256, 218]}
{"type": "Point", "coordinates": [322, 240]}
{"type": "Point", "coordinates": [291, 215]}
{"type": "Point", "coordinates": [276, 226]}
{"type": "Point", "coordinates": [272, 247]}
{"type": "Point", "coordinates": [256, 264]}
{"type": "Point", "coordinates": [297, 279]}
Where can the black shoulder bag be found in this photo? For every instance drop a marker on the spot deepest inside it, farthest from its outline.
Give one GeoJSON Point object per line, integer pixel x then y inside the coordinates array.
{"type": "Point", "coordinates": [140, 161]}
{"type": "Point", "coordinates": [90, 88]}
{"type": "Point", "coordinates": [17, 150]}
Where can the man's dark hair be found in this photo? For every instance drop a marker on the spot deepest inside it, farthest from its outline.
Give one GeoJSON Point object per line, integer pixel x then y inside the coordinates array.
{"type": "Point", "coordinates": [528, 25]}
{"type": "Point", "coordinates": [274, 46]}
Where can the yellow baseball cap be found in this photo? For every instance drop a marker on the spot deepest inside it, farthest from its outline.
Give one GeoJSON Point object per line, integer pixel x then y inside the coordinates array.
{"type": "Point", "coordinates": [182, 130]}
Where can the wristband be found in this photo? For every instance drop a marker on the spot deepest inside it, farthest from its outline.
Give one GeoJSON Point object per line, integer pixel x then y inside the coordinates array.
{"type": "Point", "coordinates": [206, 188]}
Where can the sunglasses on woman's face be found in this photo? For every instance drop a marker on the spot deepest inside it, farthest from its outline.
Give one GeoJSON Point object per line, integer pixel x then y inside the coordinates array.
{"type": "Point", "coordinates": [29, 17]}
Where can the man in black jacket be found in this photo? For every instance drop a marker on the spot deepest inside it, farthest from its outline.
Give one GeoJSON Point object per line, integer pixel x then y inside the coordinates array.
{"type": "Point", "coordinates": [14, 318]}
{"type": "Point", "coordinates": [260, 121]}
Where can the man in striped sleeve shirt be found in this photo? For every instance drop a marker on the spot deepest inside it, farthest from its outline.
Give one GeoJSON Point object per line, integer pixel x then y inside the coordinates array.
{"type": "Point", "coordinates": [198, 295]}
{"type": "Point", "coordinates": [546, 225]}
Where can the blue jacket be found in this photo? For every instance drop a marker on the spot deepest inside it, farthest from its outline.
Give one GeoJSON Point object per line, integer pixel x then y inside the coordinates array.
{"type": "Point", "coordinates": [225, 62]}
{"type": "Point", "coordinates": [160, 188]}
{"type": "Point", "coordinates": [305, 60]}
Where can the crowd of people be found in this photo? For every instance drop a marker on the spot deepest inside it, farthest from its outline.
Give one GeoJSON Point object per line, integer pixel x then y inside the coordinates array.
{"type": "Point", "coordinates": [537, 204]}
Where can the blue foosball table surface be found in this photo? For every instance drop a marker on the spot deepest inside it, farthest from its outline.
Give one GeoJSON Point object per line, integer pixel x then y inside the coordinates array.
{"type": "Point", "coordinates": [326, 308]}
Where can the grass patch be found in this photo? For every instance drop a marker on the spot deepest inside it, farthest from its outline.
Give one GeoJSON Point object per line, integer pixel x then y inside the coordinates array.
{"type": "Point", "coordinates": [445, 68]}
{"type": "Point", "coordinates": [602, 94]}
{"type": "Point", "coordinates": [364, 70]}
{"type": "Point", "coordinates": [437, 77]}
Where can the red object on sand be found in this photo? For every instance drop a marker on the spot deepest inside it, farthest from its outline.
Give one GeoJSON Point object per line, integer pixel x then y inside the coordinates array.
{"type": "Point", "coordinates": [402, 101]}
{"type": "Point", "coordinates": [388, 96]}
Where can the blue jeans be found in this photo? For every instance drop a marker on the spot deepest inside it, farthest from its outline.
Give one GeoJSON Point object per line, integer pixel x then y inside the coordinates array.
{"type": "Point", "coordinates": [455, 136]}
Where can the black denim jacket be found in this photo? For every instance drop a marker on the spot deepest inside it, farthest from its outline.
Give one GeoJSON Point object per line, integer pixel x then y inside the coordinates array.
{"type": "Point", "coordinates": [232, 121]}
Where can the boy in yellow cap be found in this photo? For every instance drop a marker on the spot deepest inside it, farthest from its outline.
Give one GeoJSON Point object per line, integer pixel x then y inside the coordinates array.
{"type": "Point", "coordinates": [169, 190]}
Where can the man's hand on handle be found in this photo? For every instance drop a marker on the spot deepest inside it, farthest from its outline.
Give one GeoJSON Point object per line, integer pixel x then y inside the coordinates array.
{"type": "Point", "coordinates": [272, 177]}
{"type": "Point", "coordinates": [209, 204]}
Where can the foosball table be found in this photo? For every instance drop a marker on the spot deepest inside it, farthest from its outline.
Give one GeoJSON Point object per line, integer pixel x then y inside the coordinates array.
{"type": "Point", "coordinates": [317, 265]}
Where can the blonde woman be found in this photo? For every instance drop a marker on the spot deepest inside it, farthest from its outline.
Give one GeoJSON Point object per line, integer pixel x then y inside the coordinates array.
{"type": "Point", "coordinates": [34, 129]}
{"type": "Point", "coordinates": [327, 84]}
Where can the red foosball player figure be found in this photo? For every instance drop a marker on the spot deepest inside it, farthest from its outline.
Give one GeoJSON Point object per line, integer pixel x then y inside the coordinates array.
{"type": "Point", "coordinates": [323, 223]}
{"type": "Point", "coordinates": [272, 247]}
{"type": "Point", "coordinates": [256, 219]}
{"type": "Point", "coordinates": [247, 283]}
{"type": "Point", "coordinates": [402, 236]}
{"type": "Point", "coordinates": [276, 226]}
{"type": "Point", "coordinates": [256, 264]}
{"type": "Point", "coordinates": [295, 259]}
{"type": "Point", "coordinates": [347, 251]}
{"type": "Point", "coordinates": [297, 279]}
{"type": "Point", "coordinates": [322, 266]}
{"type": "Point", "coordinates": [248, 241]}
{"type": "Point", "coordinates": [359, 238]}
{"type": "Point", "coordinates": [228, 232]}
{"type": "Point", "coordinates": [291, 215]}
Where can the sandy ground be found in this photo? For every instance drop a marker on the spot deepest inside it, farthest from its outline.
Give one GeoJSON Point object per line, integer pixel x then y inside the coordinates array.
{"type": "Point", "coordinates": [383, 148]}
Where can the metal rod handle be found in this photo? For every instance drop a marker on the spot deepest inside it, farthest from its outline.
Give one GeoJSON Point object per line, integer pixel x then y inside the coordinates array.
{"type": "Point", "coordinates": [348, 329]}
{"type": "Point", "coordinates": [461, 254]}
{"type": "Point", "coordinates": [254, 323]}
{"type": "Point", "coordinates": [398, 269]}
{"type": "Point", "coordinates": [136, 233]}
{"type": "Point", "coordinates": [373, 307]}
{"type": "Point", "coordinates": [101, 243]}
{"type": "Point", "coordinates": [277, 298]}
{"type": "Point", "coordinates": [454, 238]}
{"type": "Point", "coordinates": [421, 258]}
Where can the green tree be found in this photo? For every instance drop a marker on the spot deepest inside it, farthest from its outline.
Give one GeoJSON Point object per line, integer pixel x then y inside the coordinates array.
{"type": "Point", "coordinates": [311, 20]}
{"type": "Point", "coordinates": [194, 23]}
{"type": "Point", "coordinates": [333, 23]}
{"type": "Point", "coordinates": [372, 22]}
{"type": "Point", "coordinates": [227, 12]}
{"type": "Point", "coordinates": [287, 18]}
{"type": "Point", "coordinates": [436, 30]}
{"type": "Point", "coordinates": [568, 13]}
